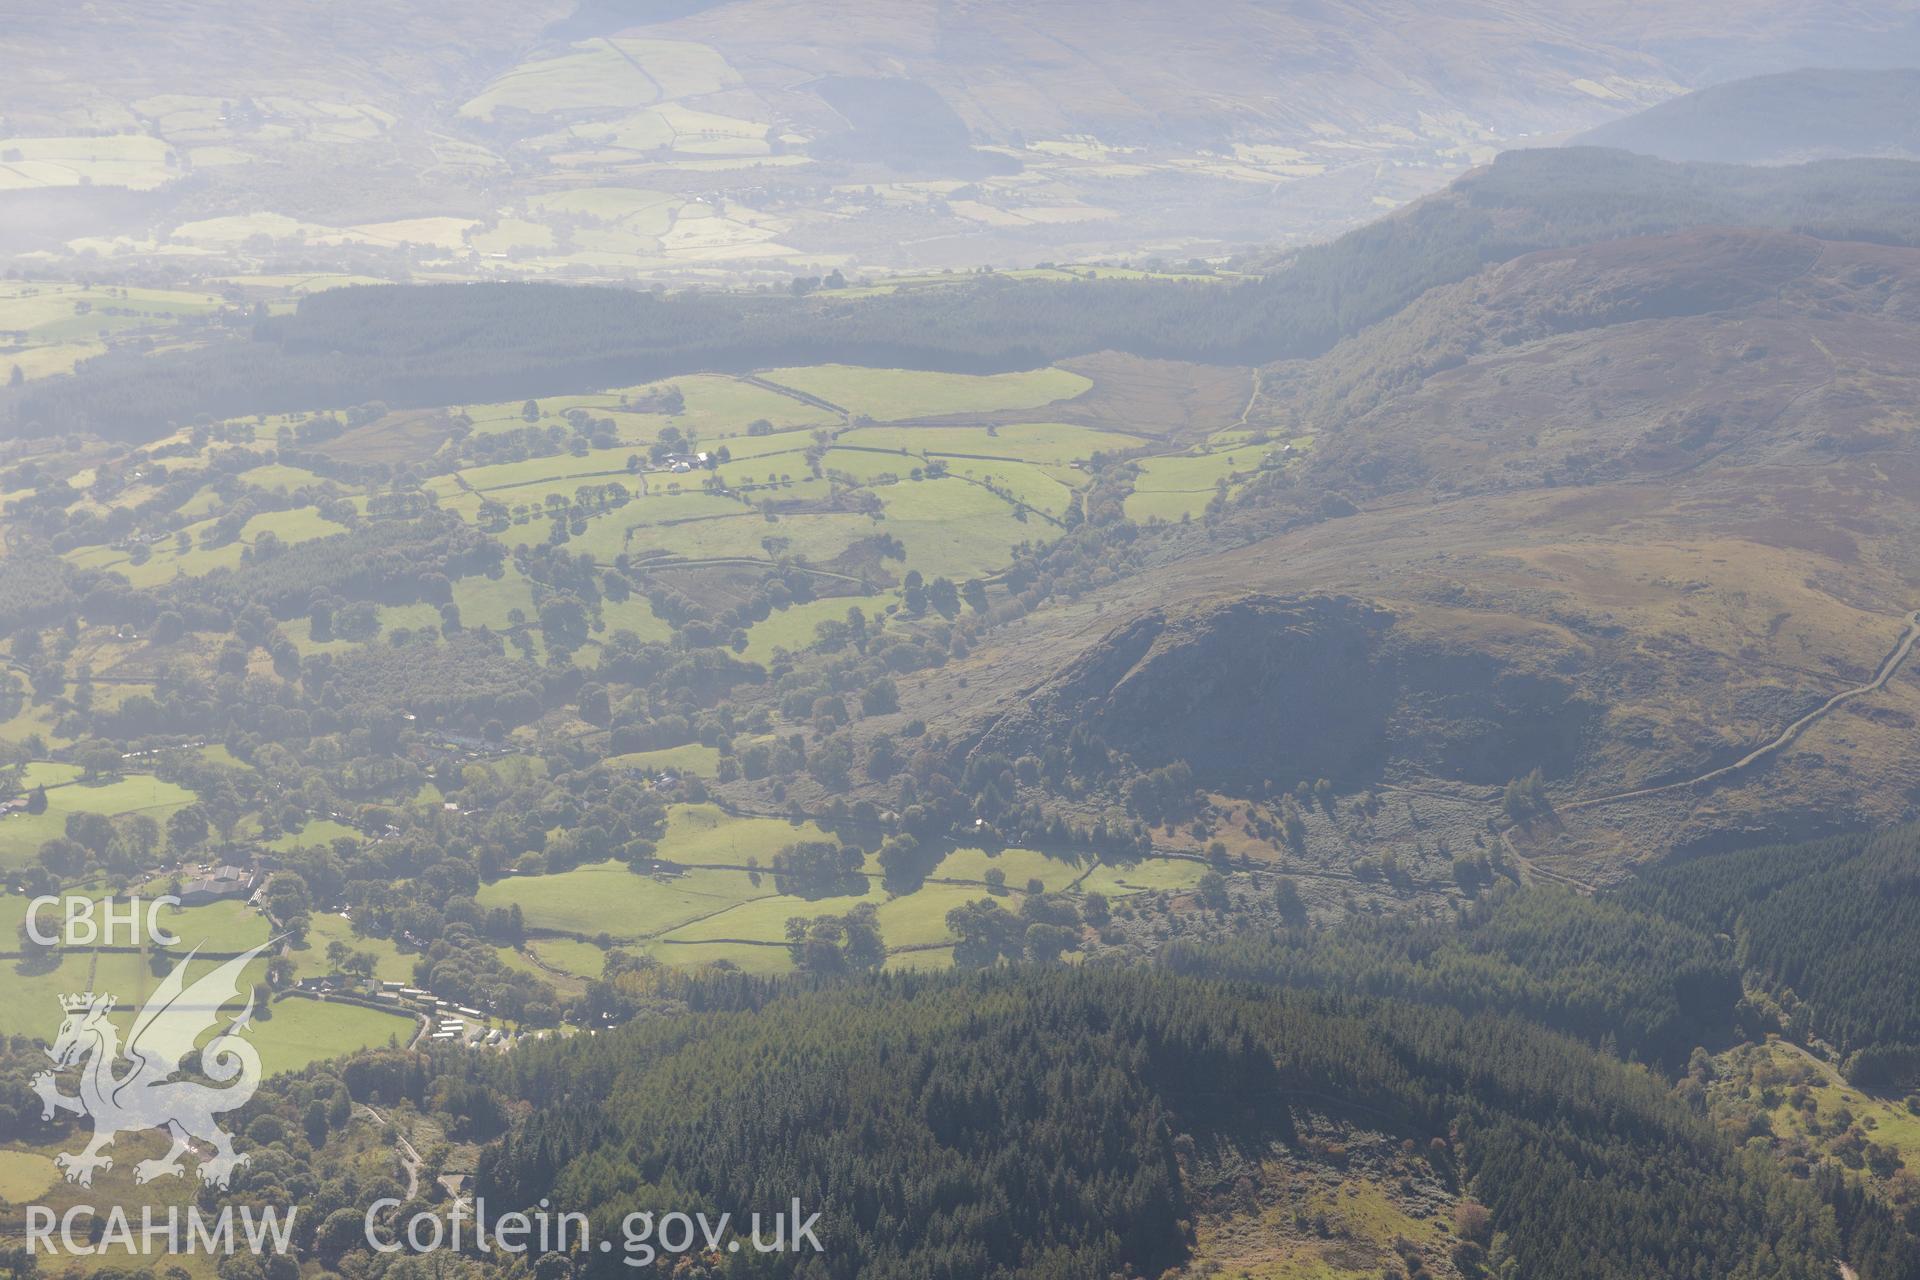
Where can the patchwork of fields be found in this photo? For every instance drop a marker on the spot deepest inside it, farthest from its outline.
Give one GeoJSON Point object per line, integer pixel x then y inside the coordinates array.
{"type": "Point", "coordinates": [714, 902]}
{"type": "Point", "coordinates": [46, 328]}
{"type": "Point", "coordinates": [713, 905]}
{"type": "Point", "coordinates": [785, 453]}
{"type": "Point", "coordinates": [869, 487]}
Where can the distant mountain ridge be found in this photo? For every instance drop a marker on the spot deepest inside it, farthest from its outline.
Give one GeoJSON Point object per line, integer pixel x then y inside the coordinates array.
{"type": "Point", "coordinates": [1795, 116]}
{"type": "Point", "coordinates": [420, 346]}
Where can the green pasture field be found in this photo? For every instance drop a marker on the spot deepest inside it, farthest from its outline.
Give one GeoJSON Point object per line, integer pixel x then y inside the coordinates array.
{"type": "Point", "coordinates": [529, 518]}
{"type": "Point", "coordinates": [495, 416]}
{"type": "Point", "coordinates": [299, 1032]}
{"type": "Point", "coordinates": [490, 602]}
{"type": "Point", "coordinates": [323, 927]}
{"type": "Point", "coordinates": [132, 160]}
{"type": "Point", "coordinates": [1191, 472]}
{"type": "Point", "coordinates": [24, 1175]}
{"type": "Point", "coordinates": [581, 959]}
{"type": "Point", "coordinates": [640, 527]}
{"type": "Point", "coordinates": [747, 957]}
{"type": "Point", "coordinates": [609, 204]}
{"type": "Point", "coordinates": [319, 833]}
{"type": "Point", "coordinates": [32, 1161]}
{"type": "Point", "coordinates": [413, 617]}
{"type": "Point", "coordinates": [610, 898]}
{"type": "Point", "coordinates": [711, 915]}
{"type": "Point", "coordinates": [633, 614]}
{"type": "Point", "coordinates": [792, 628]}
{"type": "Point", "coordinates": [955, 529]}
{"type": "Point", "coordinates": [464, 503]}
{"type": "Point", "coordinates": [204, 503]}
{"type": "Point", "coordinates": [874, 466]}
{"type": "Point", "coordinates": [592, 76]}
{"type": "Point", "coordinates": [1019, 866]}
{"type": "Point", "coordinates": [1170, 488]}
{"type": "Point", "coordinates": [229, 925]}
{"type": "Point", "coordinates": [1150, 875]}
{"type": "Point", "coordinates": [512, 233]}
{"type": "Point", "coordinates": [49, 773]}
{"type": "Point", "coordinates": [1031, 485]}
{"type": "Point", "coordinates": [784, 443]}
{"type": "Point", "coordinates": [32, 1003]}
{"type": "Point", "coordinates": [108, 696]}
{"type": "Point", "coordinates": [1025, 483]}
{"type": "Point", "coordinates": [720, 407]}
{"type": "Point", "coordinates": [1048, 443]}
{"type": "Point", "coordinates": [301, 524]}
{"type": "Point", "coordinates": [764, 919]}
{"type": "Point", "coordinates": [917, 918]}
{"type": "Point", "coordinates": [1169, 505]}
{"type": "Point", "coordinates": [716, 407]}
{"type": "Point", "coordinates": [921, 916]}
{"type": "Point", "coordinates": [47, 312]}
{"type": "Point", "coordinates": [22, 834]}
{"type": "Point", "coordinates": [819, 537]}
{"type": "Point", "coordinates": [887, 395]}
{"type": "Point", "coordinates": [166, 564]}
{"type": "Point", "coordinates": [662, 498]}
{"type": "Point", "coordinates": [298, 524]}
{"type": "Point", "coordinates": [68, 323]}
{"type": "Point", "coordinates": [680, 129]}
{"type": "Point", "coordinates": [215, 928]}
{"type": "Point", "coordinates": [1886, 1121]}
{"type": "Point", "coordinates": [30, 720]}
{"type": "Point", "coordinates": [301, 284]}
{"type": "Point", "coordinates": [280, 477]}
{"type": "Point", "coordinates": [606, 535]}
{"type": "Point", "coordinates": [212, 753]}
{"type": "Point", "coordinates": [776, 472]}
{"type": "Point", "coordinates": [597, 466]}
{"type": "Point", "coordinates": [304, 1031]}
{"type": "Point", "coordinates": [47, 359]}
{"type": "Point", "coordinates": [690, 757]}
{"type": "Point", "coordinates": [703, 833]}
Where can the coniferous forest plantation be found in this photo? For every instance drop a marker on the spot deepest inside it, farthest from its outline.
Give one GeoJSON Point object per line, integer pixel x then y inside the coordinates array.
{"type": "Point", "coordinates": [713, 638]}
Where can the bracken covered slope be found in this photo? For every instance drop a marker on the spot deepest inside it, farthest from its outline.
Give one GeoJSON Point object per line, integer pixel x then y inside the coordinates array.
{"type": "Point", "coordinates": [1627, 512]}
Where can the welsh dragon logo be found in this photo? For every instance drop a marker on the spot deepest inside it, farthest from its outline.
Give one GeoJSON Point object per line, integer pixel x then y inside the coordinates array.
{"type": "Point", "coordinates": [145, 1095]}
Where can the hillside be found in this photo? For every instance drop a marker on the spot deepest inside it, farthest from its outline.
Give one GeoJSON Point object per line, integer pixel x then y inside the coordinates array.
{"type": "Point", "coordinates": [1547, 478]}
{"type": "Point", "coordinates": [728, 141]}
{"type": "Point", "coordinates": [1507, 527]}
{"type": "Point", "coordinates": [1260, 693]}
{"type": "Point", "coordinates": [1100, 1118]}
{"type": "Point", "coordinates": [418, 347]}
{"type": "Point", "coordinates": [1787, 118]}
{"type": "Point", "coordinates": [959, 640]}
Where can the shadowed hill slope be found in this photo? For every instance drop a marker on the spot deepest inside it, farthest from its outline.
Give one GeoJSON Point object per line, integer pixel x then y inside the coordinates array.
{"type": "Point", "coordinates": [1630, 510]}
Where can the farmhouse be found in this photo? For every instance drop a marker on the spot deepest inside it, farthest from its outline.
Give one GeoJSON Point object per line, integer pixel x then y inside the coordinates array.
{"type": "Point", "coordinates": [221, 882]}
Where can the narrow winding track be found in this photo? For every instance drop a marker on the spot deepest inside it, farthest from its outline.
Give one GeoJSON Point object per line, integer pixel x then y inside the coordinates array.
{"type": "Point", "coordinates": [1786, 736]}
{"type": "Point", "coordinates": [409, 1158]}
{"type": "Point", "coordinates": [1901, 651]}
